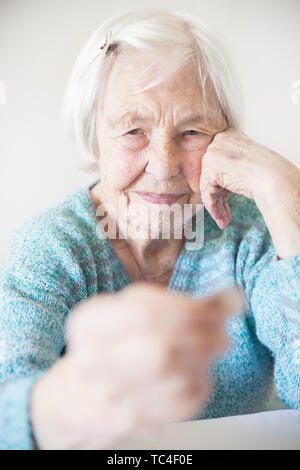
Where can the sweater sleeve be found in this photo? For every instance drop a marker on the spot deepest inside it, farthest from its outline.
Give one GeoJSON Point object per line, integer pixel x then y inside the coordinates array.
{"type": "Point", "coordinates": [272, 288]}
{"type": "Point", "coordinates": [42, 280]}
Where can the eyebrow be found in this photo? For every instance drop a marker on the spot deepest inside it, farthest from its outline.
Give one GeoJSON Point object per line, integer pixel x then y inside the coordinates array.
{"type": "Point", "coordinates": [129, 118]}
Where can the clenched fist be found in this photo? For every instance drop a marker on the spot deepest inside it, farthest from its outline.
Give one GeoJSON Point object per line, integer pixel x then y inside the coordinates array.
{"type": "Point", "coordinates": [135, 359]}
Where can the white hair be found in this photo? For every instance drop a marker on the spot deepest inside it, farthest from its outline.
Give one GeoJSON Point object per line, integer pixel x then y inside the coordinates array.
{"type": "Point", "coordinates": [178, 34]}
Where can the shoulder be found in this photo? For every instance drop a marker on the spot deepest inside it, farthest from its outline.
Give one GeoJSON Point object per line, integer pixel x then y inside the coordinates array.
{"type": "Point", "coordinates": [68, 219]}
{"type": "Point", "coordinates": [63, 233]}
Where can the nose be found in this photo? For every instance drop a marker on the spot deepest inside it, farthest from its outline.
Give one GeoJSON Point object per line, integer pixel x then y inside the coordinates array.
{"type": "Point", "coordinates": [163, 162]}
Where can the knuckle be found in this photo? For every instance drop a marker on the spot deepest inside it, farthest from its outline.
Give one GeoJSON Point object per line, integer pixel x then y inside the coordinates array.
{"type": "Point", "coordinates": [206, 161]}
{"type": "Point", "coordinates": [141, 289]}
{"type": "Point", "coordinates": [219, 136]}
{"type": "Point", "coordinates": [169, 355]}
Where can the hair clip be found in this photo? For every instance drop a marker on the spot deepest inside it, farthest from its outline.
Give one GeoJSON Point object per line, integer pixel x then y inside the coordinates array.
{"type": "Point", "coordinates": [106, 47]}
{"type": "Point", "coordinates": [105, 44]}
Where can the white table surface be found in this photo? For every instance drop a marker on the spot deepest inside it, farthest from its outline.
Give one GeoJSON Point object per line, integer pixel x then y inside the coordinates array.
{"type": "Point", "coordinates": [278, 429]}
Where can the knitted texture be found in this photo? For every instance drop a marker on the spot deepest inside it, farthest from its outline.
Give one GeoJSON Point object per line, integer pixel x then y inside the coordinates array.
{"type": "Point", "coordinates": [56, 260]}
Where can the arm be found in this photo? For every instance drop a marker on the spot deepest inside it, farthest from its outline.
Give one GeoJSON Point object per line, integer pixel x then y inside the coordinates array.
{"type": "Point", "coordinates": [36, 296]}
{"type": "Point", "coordinates": [272, 288]}
{"type": "Point", "coordinates": [279, 282]}
{"type": "Point", "coordinates": [270, 252]}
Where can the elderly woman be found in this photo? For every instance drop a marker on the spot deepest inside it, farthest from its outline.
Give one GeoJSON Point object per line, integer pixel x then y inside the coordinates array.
{"type": "Point", "coordinates": [89, 353]}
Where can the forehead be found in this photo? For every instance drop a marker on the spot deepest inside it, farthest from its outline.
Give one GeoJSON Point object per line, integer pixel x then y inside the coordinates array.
{"type": "Point", "coordinates": [132, 70]}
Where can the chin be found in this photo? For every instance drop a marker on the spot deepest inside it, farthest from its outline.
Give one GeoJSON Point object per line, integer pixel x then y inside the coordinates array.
{"type": "Point", "coordinates": [159, 225]}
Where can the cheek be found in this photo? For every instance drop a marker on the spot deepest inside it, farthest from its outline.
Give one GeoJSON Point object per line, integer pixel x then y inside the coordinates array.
{"type": "Point", "coordinates": [121, 167]}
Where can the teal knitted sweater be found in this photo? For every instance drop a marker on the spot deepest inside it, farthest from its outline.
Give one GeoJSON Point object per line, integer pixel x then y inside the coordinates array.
{"type": "Point", "coordinates": [56, 260]}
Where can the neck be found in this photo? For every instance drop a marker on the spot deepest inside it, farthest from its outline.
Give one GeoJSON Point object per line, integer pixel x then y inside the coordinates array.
{"type": "Point", "coordinates": [150, 251]}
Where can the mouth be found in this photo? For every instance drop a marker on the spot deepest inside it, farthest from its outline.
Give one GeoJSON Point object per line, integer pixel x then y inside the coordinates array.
{"type": "Point", "coordinates": [156, 198]}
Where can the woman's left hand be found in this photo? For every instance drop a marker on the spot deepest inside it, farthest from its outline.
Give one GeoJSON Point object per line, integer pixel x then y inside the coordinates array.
{"type": "Point", "coordinates": [235, 163]}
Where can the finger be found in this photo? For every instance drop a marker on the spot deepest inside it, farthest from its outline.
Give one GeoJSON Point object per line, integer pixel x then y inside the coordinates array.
{"type": "Point", "coordinates": [214, 199]}
{"type": "Point", "coordinates": [224, 213]}
{"type": "Point", "coordinates": [139, 358]}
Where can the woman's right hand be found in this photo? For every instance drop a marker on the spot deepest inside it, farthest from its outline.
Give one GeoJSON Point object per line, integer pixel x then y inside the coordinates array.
{"type": "Point", "coordinates": [135, 359]}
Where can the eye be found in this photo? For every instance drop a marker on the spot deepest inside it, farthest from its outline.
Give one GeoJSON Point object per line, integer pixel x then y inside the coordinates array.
{"type": "Point", "coordinates": [134, 132]}
{"type": "Point", "coordinates": [192, 132]}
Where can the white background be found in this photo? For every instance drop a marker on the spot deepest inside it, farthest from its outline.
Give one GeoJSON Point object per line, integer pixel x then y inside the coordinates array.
{"type": "Point", "coordinates": [39, 41]}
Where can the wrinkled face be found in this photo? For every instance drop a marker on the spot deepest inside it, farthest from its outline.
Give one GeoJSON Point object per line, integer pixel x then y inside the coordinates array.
{"type": "Point", "coordinates": [151, 144]}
